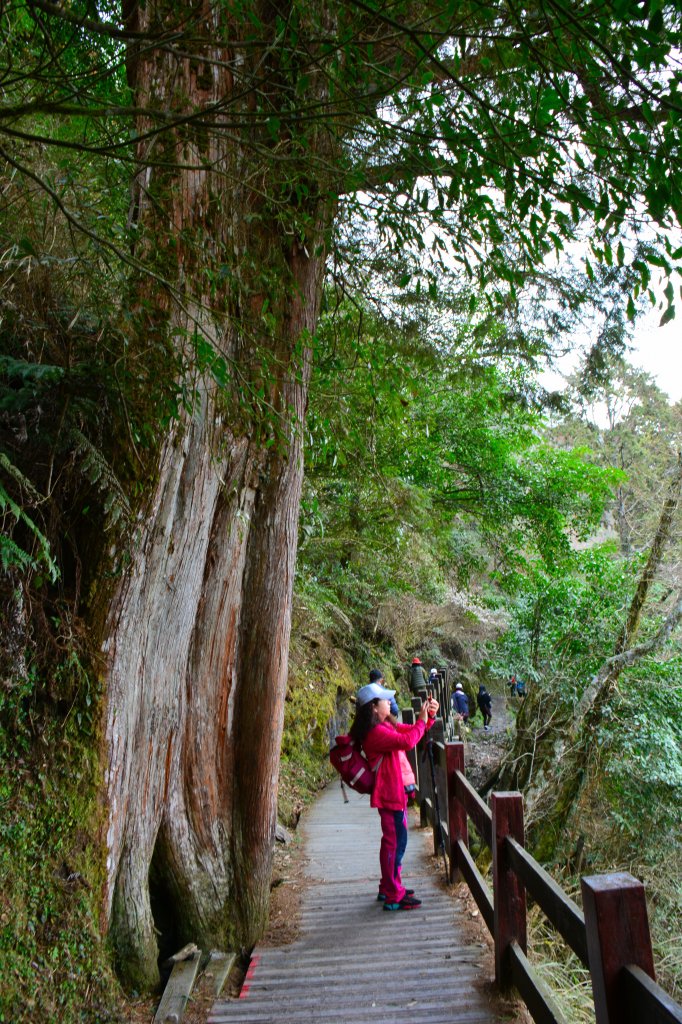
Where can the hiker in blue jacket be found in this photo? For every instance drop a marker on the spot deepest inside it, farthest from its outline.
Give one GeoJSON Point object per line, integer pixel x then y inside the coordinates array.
{"type": "Point", "coordinates": [460, 702]}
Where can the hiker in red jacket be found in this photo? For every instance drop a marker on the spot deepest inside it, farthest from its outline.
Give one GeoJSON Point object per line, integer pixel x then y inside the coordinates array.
{"type": "Point", "coordinates": [381, 741]}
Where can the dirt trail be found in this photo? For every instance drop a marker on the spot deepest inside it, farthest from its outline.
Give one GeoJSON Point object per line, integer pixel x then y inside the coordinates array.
{"type": "Point", "coordinates": [484, 750]}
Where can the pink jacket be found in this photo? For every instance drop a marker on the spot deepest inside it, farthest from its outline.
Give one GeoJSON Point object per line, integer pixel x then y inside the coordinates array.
{"type": "Point", "coordinates": [384, 741]}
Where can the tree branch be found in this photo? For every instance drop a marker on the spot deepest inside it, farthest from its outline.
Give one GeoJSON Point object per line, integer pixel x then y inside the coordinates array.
{"type": "Point", "coordinates": [623, 657]}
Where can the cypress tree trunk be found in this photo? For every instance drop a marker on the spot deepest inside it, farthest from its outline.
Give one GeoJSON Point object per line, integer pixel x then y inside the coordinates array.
{"type": "Point", "coordinates": [198, 632]}
{"type": "Point", "coordinates": [197, 653]}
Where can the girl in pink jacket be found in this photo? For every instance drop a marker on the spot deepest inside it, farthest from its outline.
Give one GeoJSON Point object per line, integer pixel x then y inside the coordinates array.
{"type": "Point", "coordinates": [382, 741]}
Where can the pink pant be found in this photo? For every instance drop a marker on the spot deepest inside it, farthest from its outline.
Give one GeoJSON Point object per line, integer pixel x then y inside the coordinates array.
{"type": "Point", "coordinates": [393, 843]}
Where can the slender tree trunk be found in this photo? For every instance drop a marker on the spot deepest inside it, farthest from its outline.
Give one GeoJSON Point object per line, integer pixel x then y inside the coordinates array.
{"type": "Point", "coordinates": [624, 529]}
{"type": "Point", "coordinates": [573, 747]}
{"type": "Point", "coordinates": [604, 681]}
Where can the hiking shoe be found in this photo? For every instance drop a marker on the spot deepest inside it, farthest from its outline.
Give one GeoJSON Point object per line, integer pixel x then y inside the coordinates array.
{"type": "Point", "coordinates": [406, 903]}
{"type": "Point", "coordinates": [381, 896]}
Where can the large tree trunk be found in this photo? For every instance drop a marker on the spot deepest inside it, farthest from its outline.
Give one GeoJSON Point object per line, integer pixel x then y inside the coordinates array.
{"type": "Point", "coordinates": [197, 651]}
{"type": "Point", "coordinates": [198, 655]}
{"type": "Point", "coordinates": [198, 635]}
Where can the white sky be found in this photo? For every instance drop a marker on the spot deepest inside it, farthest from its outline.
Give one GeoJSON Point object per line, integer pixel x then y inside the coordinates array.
{"type": "Point", "coordinates": [658, 350]}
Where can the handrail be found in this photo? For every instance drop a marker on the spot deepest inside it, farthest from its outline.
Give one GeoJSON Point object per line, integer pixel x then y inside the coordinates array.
{"type": "Point", "coordinates": [635, 983]}
{"type": "Point", "coordinates": [565, 915]}
{"type": "Point", "coordinates": [476, 807]}
{"type": "Point", "coordinates": [610, 935]}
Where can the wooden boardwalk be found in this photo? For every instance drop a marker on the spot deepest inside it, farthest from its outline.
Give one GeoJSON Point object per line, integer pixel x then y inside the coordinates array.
{"type": "Point", "coordinates": [353, 962]}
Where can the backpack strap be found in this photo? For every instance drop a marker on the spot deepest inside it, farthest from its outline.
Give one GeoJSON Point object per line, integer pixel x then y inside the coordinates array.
{"type": "Point", "coordinates": [375, 769]}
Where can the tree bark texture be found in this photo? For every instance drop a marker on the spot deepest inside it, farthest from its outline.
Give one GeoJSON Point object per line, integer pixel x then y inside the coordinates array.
{"type": "Point", "coordinates": [197, 652]}
{"type": "Point", "coordinates": [198, 633]}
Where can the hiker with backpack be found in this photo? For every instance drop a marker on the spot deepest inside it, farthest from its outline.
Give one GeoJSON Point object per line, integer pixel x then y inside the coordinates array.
{"type": "Point", "coordinates": [382, 740]}
{"type": "Point", "coordinates": [418, 677]}
{"type": "Point", "coordinates": [485, 705]}
{"type": "Point", "coordinates": [460, 703]}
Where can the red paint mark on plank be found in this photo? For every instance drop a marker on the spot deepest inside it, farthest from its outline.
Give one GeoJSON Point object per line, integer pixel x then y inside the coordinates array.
{"type": "Point", "coordinates": [248, 977]}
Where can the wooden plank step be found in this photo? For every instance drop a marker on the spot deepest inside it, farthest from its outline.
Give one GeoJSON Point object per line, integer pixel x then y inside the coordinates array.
{"type": "Point", "coordinates": [177, 991]}
{"type": "Point", "coordinates": [375, 1014]}
{"type": "Point", "coordinates": [217, 969]}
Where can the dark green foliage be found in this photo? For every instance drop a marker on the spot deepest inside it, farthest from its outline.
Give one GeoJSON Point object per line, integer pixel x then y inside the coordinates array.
{"type": "Point", "coordinates": [411, 444]}
{"type": "Point", "coordinates": [641, 740]}
{"type": "Point", "coordinates": [563, 628]}
{"type": "Point", "coordinates": [482, 135]}
{"type": "Point", "coordinates": [80, 407]}
{"type": "Point", "coordinates": [81, 399]}
{"type": "Point", "coordinates": [564, 621]}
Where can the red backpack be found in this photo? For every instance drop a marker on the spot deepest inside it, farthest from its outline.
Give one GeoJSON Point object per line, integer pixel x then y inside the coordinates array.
{"type": "Point", "coordinates": [352, 765]}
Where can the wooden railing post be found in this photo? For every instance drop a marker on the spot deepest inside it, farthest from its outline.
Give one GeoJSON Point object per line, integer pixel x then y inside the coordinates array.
{"type": "Point", "coordinates": [508, 890]}
{"type": "Point", "coordinates": [440, 697]}
{"type": "Point", "coordinates": [617, 935]}
{"type": "Point", "coordinates": [457, 815]}
{"type": "Point", "coordinates": [438, 802]}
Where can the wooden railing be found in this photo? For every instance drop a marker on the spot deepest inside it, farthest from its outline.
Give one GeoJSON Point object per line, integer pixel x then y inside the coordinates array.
{"type": "Point", "coordinates": [441, 687]}
{"type": "Point", "coordinates": [610, 936]}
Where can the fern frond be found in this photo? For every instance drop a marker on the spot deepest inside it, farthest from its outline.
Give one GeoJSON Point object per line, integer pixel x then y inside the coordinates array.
{"type": "Point", "coordinates": [11, 551]}
{"type": "Point", "coordinates": [12, 556]}
{"type": "Point", "coordinates": [98, 472]}
{"type": "Point", "coordinates": [21, 479]}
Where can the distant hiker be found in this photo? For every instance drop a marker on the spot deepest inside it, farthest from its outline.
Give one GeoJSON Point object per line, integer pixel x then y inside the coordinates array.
{"type": "Point", "coordinates": [382, 741]}
{"type": "Point", "coordinates": [485, 705]}
{"type": "Point", "coordinates": [418, 678]}
{"type": "Point", "coordinates": [434, 676]}
{"type": "Point", "coordinates": [377, 676]}
{"type": "Point", "coordinates": [460, 702]}
{"type": "Point", "coordinates": [512, 685]}
{"type": "Point", "coordinates": [520, 688]}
